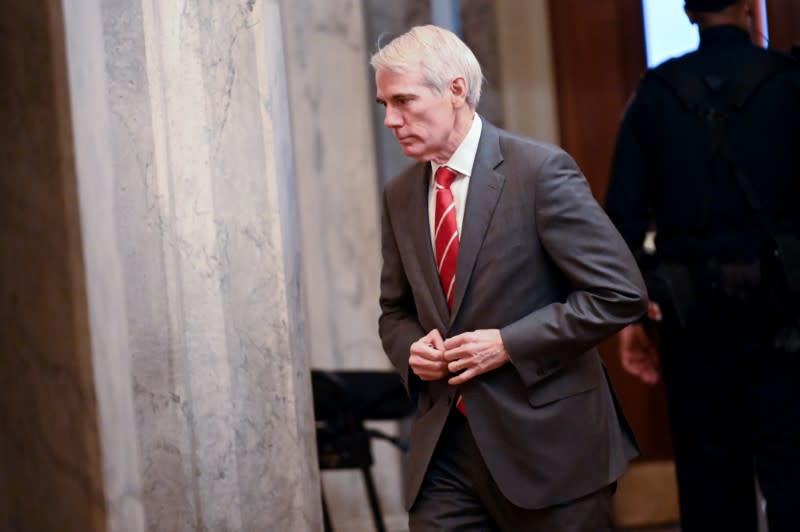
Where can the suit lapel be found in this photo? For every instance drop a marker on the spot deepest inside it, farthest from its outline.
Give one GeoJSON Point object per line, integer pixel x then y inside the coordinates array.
{"type": "Point", "coordinates": [423, 248]}
{"type": "Point", "coordinates": [485, 186]}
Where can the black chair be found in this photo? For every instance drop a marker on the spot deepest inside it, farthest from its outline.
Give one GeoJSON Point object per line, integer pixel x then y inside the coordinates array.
{"type": "Point", "coordinates": [343, 400]}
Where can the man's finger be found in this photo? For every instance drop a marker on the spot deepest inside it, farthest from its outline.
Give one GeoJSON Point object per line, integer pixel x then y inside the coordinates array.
{"type": "Point", "coordinates": [457, 365]}
{"type": "Point", "coordinates": [434, 338]}
{"type": "Point", "coordinates": [428, 370]}
{"type": "Point", "coordinates": [630, 365]}
{"type": "Point", "coordinates": [457, 353]}
{"type": "Point", "coordinates": [463, 377]}
{"type": "Point", "coordinates": [650, 376]}
{"type": "Point", "coordinates": [425, 350]}
{"type": "Point", "coordinates": [427, 363]}
{"type": "Point", "coordinates": [456, 341]}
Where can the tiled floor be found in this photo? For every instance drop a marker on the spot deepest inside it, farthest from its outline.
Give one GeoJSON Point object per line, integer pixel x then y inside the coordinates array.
{"type": "Point", "coordinates": [675, 528]}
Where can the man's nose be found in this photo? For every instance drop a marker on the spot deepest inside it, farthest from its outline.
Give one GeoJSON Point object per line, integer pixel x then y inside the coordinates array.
{"type": "Point", "coordinates": [392, 117]}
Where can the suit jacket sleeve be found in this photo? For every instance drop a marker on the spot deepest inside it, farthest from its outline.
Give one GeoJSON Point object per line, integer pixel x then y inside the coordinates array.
{"type": "Point", "coordinates": [607, 288]}
{"type": "Point", "coordinates": [398, 324]}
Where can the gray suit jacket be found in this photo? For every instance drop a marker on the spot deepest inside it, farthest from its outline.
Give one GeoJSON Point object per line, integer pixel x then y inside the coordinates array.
{"type": "Point", "coordinates": [540, 261]}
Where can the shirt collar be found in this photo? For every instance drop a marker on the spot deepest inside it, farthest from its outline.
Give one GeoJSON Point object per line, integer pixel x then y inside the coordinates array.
{"type": "Point", "coordinates": [463, 158]}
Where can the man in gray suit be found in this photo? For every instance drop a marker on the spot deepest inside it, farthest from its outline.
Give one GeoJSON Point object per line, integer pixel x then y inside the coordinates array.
{"type": "Point", "coordinates": [500, 275]}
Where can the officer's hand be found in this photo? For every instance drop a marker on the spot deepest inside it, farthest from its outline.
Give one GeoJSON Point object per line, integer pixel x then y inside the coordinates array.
{"type": "Point", "coordinates": [639, 353]}
{"type": "Point", "coordinates": [474, 353]}
{"type": "Point", "coordinates": [654, 311]}
{"type": "Point", "coordinates": [426, 357]}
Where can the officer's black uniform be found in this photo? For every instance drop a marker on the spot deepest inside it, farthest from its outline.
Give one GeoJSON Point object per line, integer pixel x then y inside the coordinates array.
{"type": "Point", "coordinates": [733, 398]}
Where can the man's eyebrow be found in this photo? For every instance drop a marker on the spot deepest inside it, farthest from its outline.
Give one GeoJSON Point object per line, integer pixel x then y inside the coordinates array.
{"type": "Point", "coordinates": [399, 95]}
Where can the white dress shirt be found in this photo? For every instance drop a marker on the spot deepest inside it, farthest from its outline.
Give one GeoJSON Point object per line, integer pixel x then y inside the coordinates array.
{"type": "Point", "coordinates": [461, 161]}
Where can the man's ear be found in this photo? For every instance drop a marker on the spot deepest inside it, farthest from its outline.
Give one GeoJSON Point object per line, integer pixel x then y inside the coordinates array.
{"type": "Point", "coordinates": [458, 89]}
{"type": "Point", "coordinates": [691, 15]}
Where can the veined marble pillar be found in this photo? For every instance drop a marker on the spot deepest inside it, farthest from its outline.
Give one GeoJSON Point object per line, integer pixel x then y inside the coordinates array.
{"type": "Point", "coordinates": [339, 199]}
{"type": "Point", "coordinates": [337, 181]}
{"type": "Point", "coordinates": [206, 232]}
{"type": "Point", "coordinates": [108, 320]}
{"type": "Point", "coordinates": [154, 364]}
{"type": "Point", "coordinates": [525, 51]}
{"type": "Point", "coordinates": [68, 454]}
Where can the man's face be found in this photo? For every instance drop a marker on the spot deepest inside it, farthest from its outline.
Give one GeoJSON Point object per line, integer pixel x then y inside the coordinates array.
{"type": "Point", "coordinates": [421, 119]}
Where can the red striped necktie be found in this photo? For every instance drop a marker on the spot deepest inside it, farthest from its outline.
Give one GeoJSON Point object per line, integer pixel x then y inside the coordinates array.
{"type": "Point", "coordinates": [446, 241]}
{"type": "Point", "coordinates": [446, 232]}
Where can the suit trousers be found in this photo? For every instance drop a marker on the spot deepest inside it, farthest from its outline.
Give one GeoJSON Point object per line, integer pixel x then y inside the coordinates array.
{"type": "Point", "coordinates": [735, 417]}
{"type": "Point", "coordinates": [459, 494]}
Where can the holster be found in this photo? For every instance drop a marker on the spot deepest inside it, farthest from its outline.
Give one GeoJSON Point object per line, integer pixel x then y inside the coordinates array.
{"type": "Point", "coordinates": [670, 285]}
{"type": "Point", "coordinates": [784, 270]}
{"type": "Point", "coordinates": [787, 263]}
{"type": "Point", "coordinates": [770, 285]}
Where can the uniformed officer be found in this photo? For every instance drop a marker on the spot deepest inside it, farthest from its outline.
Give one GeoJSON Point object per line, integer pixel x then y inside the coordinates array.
{"type": "Point", "coordinates": [708, 156]}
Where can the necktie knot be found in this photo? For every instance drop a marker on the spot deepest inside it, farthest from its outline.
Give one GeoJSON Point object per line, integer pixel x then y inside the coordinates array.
{"type": "Point", "coordinates": [445, 176]}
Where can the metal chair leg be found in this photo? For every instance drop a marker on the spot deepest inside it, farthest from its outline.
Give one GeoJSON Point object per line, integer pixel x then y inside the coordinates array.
{"type": "Point", "coordinates": [326, 517]}
{"type": "Point", "coordinates": [374, 505]}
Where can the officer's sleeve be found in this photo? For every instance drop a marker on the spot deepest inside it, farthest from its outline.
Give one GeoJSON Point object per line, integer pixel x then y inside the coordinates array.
{"type": "Point", "coordinates": [627, 200]}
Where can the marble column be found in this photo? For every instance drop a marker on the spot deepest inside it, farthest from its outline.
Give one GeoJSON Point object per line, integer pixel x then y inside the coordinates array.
{"type": "Point", "coordinates": [154, 361]}
{"type": "Point", "coordinates": [337, 182]}
{"type": "Point", "coordinates": [525, 55]}
{"type": "Point", "coordinates": [68, 453]}
{"type": "Point", "coordinates": [108, 319]}
{"type": "Point", "coordinates": [339, 197]}
{"type": "Point", "coordinates": [480, 32]}
{"type": "Point", "coordinates": [206, 232]}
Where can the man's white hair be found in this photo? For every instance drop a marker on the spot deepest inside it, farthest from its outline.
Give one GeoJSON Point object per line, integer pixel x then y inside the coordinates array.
{"type": "Point", "coordinates": [440, 54]}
